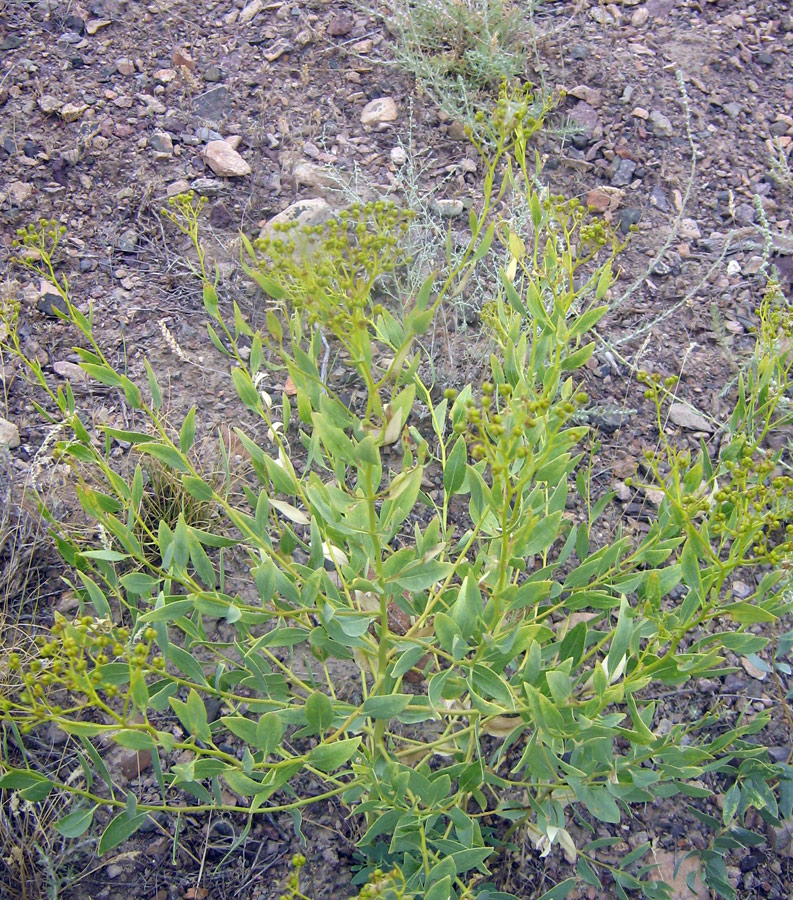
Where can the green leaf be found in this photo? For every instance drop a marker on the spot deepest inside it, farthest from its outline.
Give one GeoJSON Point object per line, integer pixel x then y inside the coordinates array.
{"type": "Point", "coordinates": [543, 534]}
{"type": "Point", "coordinates": [197, 487]}
{"type": "Point", "coordinates": [423, 575]}
{"type": "Point", "coordinates": [187, 434]}
{"type": "Point", "coordinates": [154, 387]}
{"type": "Point", "coordinates": [559, 891]}
{"type": "Point", "coordinates": [186, 663]}
{"type": "Point", "coordinates": [135, 740]}
{"type": "Point", "coordinates": [75, 823]}
{"type": "Point", "coordinates": [119, 830]}
{"type": "Point", "coordinates": [245, 388]}
{"type": "Point", "coordinates": [441, 890]}
{"type": "Point", "coordinates": [746, 614]}
{"type": "Point", "coordinates": [192, 715]}
{"type": "Point", "coordinates": [269, 732]}
{"type": "Point", "coordinates": [454, 472]}
{"type": "Point", "coordinates": [165, 454]}
{"type": "Point", "coordinates": [385, 707]}
{"type": "Point", "coordinates": [329, 757]}
{"type": "Point", "coordinates": [319, 712]}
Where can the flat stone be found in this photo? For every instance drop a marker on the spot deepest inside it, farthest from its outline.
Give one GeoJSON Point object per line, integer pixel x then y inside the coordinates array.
{"type": "Point", "coordinates": [448, 208]}
{"type": "Point", "coordinates": [182, 58]}
{"type": "Point", "coordinates": [128, 241]}
{"type": "Point", "coordinates": [684, 416]}
{"type": "Point", "coordinates": [604, 198]}
{"type": "Point", "coordinates": [589, 95]}
{"type": "Point", "coordinates": [379, 111]}
{"type": "Point", "coordinates": [19, 192]}
{"type": "Point", "coordinates": [586, 119]}
{"type": "Point", "coordinates": [398, 156]}
{"type": "Point", "coordinates": [177, 187]}
{"type": "Point", "coordinates": [733, 109]}
{"type": "Point", "coordinates": [9, 434]}
{"type": "Point", "coordinates": [69, 370]}
{"type": "Point", "coordinates": [342, 24]}
{"type": "Point", "coordinates": [628, 217]}
{"type": "Point", "coordinates": [212, 104]}
{"type": "Point", "coordinates": [206, 187]}
{"type": "Point", "coordinates": [213, 74]}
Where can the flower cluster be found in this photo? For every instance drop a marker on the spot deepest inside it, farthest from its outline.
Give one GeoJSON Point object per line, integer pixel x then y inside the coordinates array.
{"type": "Point", "coordinates": [329, 270]}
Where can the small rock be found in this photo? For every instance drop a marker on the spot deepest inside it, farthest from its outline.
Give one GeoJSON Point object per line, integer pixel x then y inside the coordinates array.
{"type": "Point", "coordinates": [689, 230]}
{"type": "Point", "coordinates": [213, 74]}
{"type": "Point", "coordinates": [312, 175]}
{"type": "Point", "coordinates": [225, 161]}
{"type": "Point", "coordinates": [177, 187]}
{"type": "Point", "coordinates": [206, 187]}
{"type": "Point", "coordinates": [276, 50]}
{"type": "Point", "coordinates": [379, 111]}
{"type": "Point", "coordinates": [639, 17]}
{"type": "Point", "coordinates": [74, 23]}
{"type": "Point", "coordinates": [685, 417]}
{"type": "Point", "coordinates": [623, 172]}
{"type": "Point", "coordinates": [628, 217]}
{"type": "Point", "coordinates": [604, 198]}
{"type": "Point", "coordinates": [182, 58]}
{"type": "Point", "coordinates": [765, 58]}
{"type": "Point", "coordinates": [752, 670]}
{"type": "Point", "coordinates": [19, 192]}
{"type": "Point", "coordinates": [128, 241]}
{"type": "Point", "coordinates": [586, 119]}
{"type": "Point", "coordinates": [93, 25]}
{"type": "Point", "coordinates": [658, 199]}
{"type": "Point", "coordinates": [49, 104]}
{"type": "Point", "coordinates": [165, 76]}
{"type": "Point", "coordinates": [342, 24]}
{"type": "Point", "coordinates": [589, 95]}
{"type": "Point", "coordinates": [69, 370]}
{"type": "Point", "coordinates": [234, 141]}
{"type": "Point", "coordinates": [219, 216]}
{"type": "Point", "coordinates": [449, 208]}
{"type": "Point", "coordinates": [733, 109]}
{"type": "Point", "coordinates": [640, 113]}
{"type": "Point", "coordinates": [398, 156]}
{"type": "Point", "coordinates": [250, 11]}
{"type": "Point", "coordinates": [9, 434]}
{"type": "Point", "coordinates": [125, 66]}
{"type": "Point", "coordinates": [609, 421]}
{"type": "Point", "coordinates": [660, 123]}
{"type": "Point", "coordinates": [212, 104]}
{"type": "Point", "coordinates": [71, 112]}
{"type": "Point", "coordinates": [11, 42]}
{"type": "Point", "coordinates": [161, 142]}
{"type": "Point", "coordinates": [745, 214]}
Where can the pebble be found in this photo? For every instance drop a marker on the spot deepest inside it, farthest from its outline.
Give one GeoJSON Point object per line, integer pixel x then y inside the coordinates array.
{"type": "Point", "coordinates": [449, 208]}
{"type": "Point", "coordinates": [689, 230]}
{"type": "Point", "coordinates": [398, 156]}
{"type": "Point", "coordinates": [212, 104]}
{"type": "Point", "coordinates": [182, 58]}
{"type": "Point", "coordinates": [379, 111]}
{"type": "Point", "coordinates": [128, 241]}
{"type": "Point", "coordinates": [745, 214]}
{"type": "Point", "coordinates": [586, 119]}
{"type": "Point", "coordinates": [224, 160]}
{"type": "Point", "coordinates": [206, 187]}
{"type": "Point", "coordinates": [160, 142]}
{"type": "Point", "coordinates": [589, 95]}
{"type": "Point", "coordinates": [733, 109]}
{"type": "Point", "coordinates": [49, 104]}
{"type": "Point", "coordinates": [250, 11]}
{"type": "Point", "coordinates": [342, 24]}
{"type": "Point", "coordinates": [71, 112]}
{"type": "Point", "coordinates": [604, 198]}
{"type": "Point", "coordinates": [177, 187]}
{"type": "Point", "coordinates": [312, 175]}
{"type": "Point", "coordinates": [213, 74]}
{"type": "Point", "coordinates": [658, 199]}
{"type": "Point", "coordinates": [9, 434]}
{"type": "Point", "coordinates": [660, 123]}
{"type": "Point", "coordinates": [628, 217]}
{"type": "Point", "coordinates": [623, 172]}
{"type": "Point", "coordinates": [69, 370]}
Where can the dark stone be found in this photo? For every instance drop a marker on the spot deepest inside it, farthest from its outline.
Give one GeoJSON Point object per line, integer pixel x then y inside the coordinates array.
{"type": "Point", "coordinates": [551, 164]}
{"type": "Point", "coordinates": [580, 141]}
{"type": "Point", "coordinates": [77, 62]}
{"type": "Point", "coordinates": [765, 58]}
{"type": "Point", "coordinates": [212, 104]}
{"type": "Point", "coordinates": [658, 199]}
{"type": "Point", "coordinates": [749, 862]}
{"type": "Point", "coordinates": [623, 172]}
{"type": "Point", "coordinates": [629, 216]}
{"type": "Point", "coordinates": [609, 421]}
{"type": "Point", "coordinates": [10, 42]}
{"type": "Point", "coordinates": [74, 23]}
{"type": "Point", "coordinates": [10, 146]}
{"type": "Point", "coordinates": [342, 24]}
{"type": "Point", "coordinates": [60, 169]}
{"type": "Point", "coordinates": [579, 52]}
{"type": "Point", "coordinates": [213, 74]}
{"type": "Point", "coordinates": [31, 149]}
{"type": "Point", "coordinates": [49, 304]}
{"type": "Point", "coordinates": [220, 217]}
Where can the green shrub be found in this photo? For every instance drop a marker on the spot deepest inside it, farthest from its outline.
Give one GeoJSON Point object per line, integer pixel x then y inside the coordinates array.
{"type": "Point", "coordinates": [507, 664]}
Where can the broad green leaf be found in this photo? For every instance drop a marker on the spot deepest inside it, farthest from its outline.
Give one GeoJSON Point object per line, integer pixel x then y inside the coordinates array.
{"type": "Point", "coordinates": [135, 740]}
{"type": "Point", "coordinates": [119, 830]}
{"type": "Point", "coordinates": [192, 715]}
{"type": "Point", "coordinates": [187, 434]}
{"type": "Point", "coordinates": [330, 757]}
{"type": "Point", "coordinates": [319, 712]}
{"type": "Point", "coordinates": [454, 472]}
{"type": "Point", "coordinates": [165, 454]}
{"type": "Point", "coordinates": [75, 823]}
{"type": "Point", "coordinates": [385, 707]}
{"type": "Point", "coordinates": [422, 575]}
{"type": "Point", "coordinates": [559, 891]}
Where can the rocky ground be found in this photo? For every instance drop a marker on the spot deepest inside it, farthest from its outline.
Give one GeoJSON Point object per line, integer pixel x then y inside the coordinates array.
{"type": "Point", "coordinates": [109, 108]}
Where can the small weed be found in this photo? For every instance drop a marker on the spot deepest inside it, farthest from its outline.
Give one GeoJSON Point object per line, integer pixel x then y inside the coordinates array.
{"type": "Point", "coordinates": [780, 171]}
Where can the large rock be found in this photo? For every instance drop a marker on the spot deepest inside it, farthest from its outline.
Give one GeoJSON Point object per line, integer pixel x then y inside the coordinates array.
{"type": "Point", "coordinates": [224, 160]}
{"type": "Point", "coordinates": [305, 212]}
